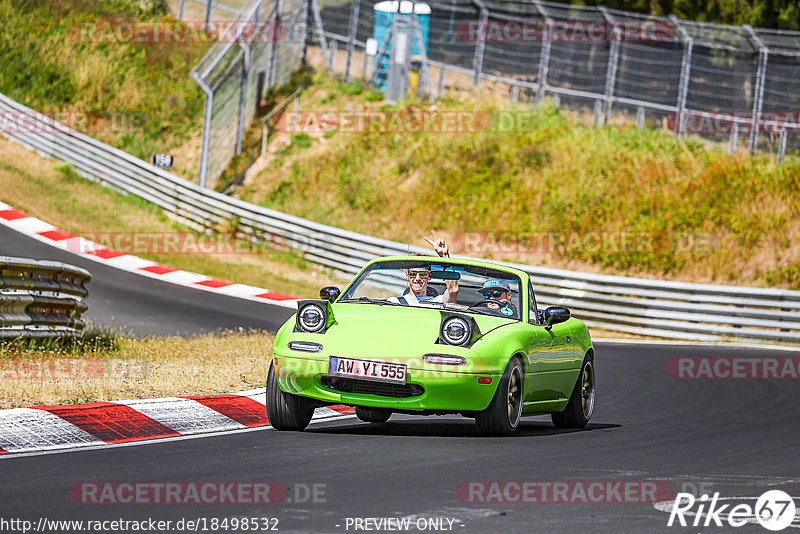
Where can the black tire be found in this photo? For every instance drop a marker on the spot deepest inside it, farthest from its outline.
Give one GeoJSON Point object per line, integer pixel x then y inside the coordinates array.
{"type": "Point", "coordinates": [284, 410]}
{"type": "Point", "coordinates": [502, 416]}
{"type": "Point", "coordinates": [581, 402]}
{"type": "Point", "coordinates": [373, 415]}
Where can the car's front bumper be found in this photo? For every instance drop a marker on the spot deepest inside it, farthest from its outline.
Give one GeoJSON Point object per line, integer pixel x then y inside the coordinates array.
{"type": "Point", "coordinates": [444, 390]}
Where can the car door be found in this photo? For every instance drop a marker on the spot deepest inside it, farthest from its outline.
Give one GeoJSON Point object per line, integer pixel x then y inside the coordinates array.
{"type": "Point", "coordinates": [550, 357]}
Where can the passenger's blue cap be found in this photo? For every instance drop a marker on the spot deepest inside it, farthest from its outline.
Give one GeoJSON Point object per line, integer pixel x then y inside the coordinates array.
{"type": "Point", "coordinates": [494, 283]}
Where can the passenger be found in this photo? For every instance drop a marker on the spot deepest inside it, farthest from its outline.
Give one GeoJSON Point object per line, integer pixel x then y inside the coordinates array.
{"type": "Point", "coordinates": [498, 290]}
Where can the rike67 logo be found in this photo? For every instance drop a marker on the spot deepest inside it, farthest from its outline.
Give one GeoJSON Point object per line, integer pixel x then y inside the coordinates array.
{"type": "Point", "coordinates": [774, 510]}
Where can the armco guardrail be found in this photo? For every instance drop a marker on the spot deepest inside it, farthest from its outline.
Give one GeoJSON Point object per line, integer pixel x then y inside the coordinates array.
{"type": "Point", "coordinates": [635, 305]}
{"type": "Point", "coordinates": [41, 298]}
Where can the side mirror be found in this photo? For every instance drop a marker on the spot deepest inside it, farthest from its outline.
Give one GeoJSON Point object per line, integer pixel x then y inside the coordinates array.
{"type": "Point", "coordinates": [555, 314]}
{"type": "Point", "coordinates": [331, 293]}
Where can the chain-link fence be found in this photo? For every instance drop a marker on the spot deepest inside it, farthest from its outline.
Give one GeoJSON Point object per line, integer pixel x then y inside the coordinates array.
{"type": "Point", "coordinates": [259, 49]}
{"type": "Point", "coordinates": [735, 84]}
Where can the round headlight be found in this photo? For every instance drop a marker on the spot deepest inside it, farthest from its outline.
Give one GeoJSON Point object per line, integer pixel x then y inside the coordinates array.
{"type": "Point", "coordinates": [455, 331]}
{"type": "Point", "coordinates": [311, 318]}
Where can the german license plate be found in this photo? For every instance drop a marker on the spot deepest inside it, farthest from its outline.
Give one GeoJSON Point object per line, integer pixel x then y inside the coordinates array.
{"type": "Point", "coordinates": [367, 370]}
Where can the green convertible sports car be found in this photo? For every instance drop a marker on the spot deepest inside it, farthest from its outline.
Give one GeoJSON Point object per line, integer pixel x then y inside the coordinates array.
{"type": "Point", "coordinates": [427, 335]}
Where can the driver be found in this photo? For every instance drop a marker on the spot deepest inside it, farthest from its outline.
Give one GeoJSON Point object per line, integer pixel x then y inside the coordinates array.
{"type": "Point", "coordinates": [498, 290]}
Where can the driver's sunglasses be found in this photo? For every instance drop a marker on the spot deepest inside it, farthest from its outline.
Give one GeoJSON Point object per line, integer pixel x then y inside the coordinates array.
{"type": "Point", "coordinates": [493, 294]}
{"type": "Point", "coordinates": [422, 274]}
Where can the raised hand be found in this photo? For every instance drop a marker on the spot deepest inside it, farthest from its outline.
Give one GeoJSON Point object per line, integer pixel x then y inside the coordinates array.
{"type": "Point", "coordinates": [439, 245]}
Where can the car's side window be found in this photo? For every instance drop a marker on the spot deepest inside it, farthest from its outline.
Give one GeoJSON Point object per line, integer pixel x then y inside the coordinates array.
{"type": "Point", "coordinates": [533, 313]}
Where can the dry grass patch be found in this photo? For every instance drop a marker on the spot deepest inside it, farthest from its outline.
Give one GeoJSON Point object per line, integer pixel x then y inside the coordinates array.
{"type": "Point", "coordinates": [134, 369]}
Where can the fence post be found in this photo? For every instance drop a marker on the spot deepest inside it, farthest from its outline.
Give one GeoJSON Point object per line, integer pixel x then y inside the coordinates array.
{"type": "Point", "coordinates": [734, 139]}
{"type": "Point", "coordinates": [182, 10]}
{"type": "Point", "coordinates": [306, 32]}
{"type": "Point", "coordinates": [480, 46]}
{"type": "Point", "coordinates": [758, 99]}
{"type": "Point", "coordinates": [333, 46]}
{"type": "Point", "coordinates": [276, 39]}
{"type": "Point", "coordinates": [613, 62]}
{"type": "Point", "coordinates": [243, 94]}
{"type": "Point", "coordinates": [440, 85]}
{"type": "Point", "coordinates": [351, 38]}
{"type": "Point", "coordinates": [782, 143]}
{"type": "Point", "coordinates": [209, 106]}
{"type": "Point", "coordinates": [686, 67]}
{"type": "Point", "coordinates": [544, 56]}
{"type": "Point", "coordinates": [209, 4]}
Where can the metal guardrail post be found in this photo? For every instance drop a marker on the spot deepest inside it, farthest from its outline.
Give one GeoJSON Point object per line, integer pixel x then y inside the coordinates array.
{"type": "Point", "coordinates": [544, 56]}
{"type": "Point", "coordinates": [613, 62]}
{"type": "Point", "coordinates": [758, 97]}
{"type": "Point", "coordinates": [686, 67]}
{"type": "Point", "coordinates": [351, 37]}
{"type": "Point", "coordinates": [480, 46]}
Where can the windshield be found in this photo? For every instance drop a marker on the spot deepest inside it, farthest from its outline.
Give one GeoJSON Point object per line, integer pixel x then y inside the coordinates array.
{"type": "Point", "coordinates": [431, 284]}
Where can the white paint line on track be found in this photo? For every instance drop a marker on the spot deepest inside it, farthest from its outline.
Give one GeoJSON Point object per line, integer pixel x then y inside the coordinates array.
{"type": "Point", "coordinates": [185, 416]}
{"type": "Point", "coordinates": [28, 429]}
{"type": "Point", "coordinates": [103, 446]}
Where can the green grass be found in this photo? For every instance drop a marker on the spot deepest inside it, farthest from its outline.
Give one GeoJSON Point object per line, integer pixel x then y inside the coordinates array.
{"type": "Point", "coordinates": [697, 212]}
{"type": "Point", "coordinates": [136, 96]}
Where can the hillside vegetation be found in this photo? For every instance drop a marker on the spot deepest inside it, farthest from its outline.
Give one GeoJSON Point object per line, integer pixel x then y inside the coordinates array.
{"type": "Point", "coordinates": [137, 96]}
{"type": "Point", "coordinates": [550, 191]}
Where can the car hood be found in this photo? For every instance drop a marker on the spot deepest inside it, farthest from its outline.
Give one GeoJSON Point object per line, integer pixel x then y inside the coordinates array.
{"type": "Point", "coordinates": [384, 331]}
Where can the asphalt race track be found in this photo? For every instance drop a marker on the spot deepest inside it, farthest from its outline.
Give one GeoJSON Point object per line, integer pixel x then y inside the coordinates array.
{"type": "Point", "coordinates": [143, 306]}
{"type": "Point", "coordinates": [735, 437]}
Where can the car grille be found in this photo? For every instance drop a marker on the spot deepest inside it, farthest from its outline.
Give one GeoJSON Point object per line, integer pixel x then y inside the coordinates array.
{"type": "Point", "coordinates": [368, 387]}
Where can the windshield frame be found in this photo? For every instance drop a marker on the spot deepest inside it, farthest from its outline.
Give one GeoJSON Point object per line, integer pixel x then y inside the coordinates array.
{"type": "Point", "coordinates": [519, 299]}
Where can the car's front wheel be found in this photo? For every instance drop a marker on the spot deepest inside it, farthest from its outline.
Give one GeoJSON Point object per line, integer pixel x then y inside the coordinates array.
{"type": "Point", "coordinates": [284, 410]}
{"type": "Point", "coordinates": [373, 415]}
{"type": "Point", "coordinates": [503, 414]}
{"type": "Point", "coordinates": [581, 403]}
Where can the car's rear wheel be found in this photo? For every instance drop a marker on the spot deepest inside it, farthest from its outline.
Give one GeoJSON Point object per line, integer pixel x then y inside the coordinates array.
{"type": "Point", "coordinates": [581, 403]}
{"type": "Point", "coordinates": [284, 410]}
{"type": "Point", "coordinates": [502, 416]}
{"type": "Point", "coordinates": [373, 415]}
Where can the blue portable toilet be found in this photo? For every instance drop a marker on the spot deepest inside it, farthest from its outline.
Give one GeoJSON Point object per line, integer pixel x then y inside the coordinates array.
{"type": "Point", "coordinates": [385, 12]}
